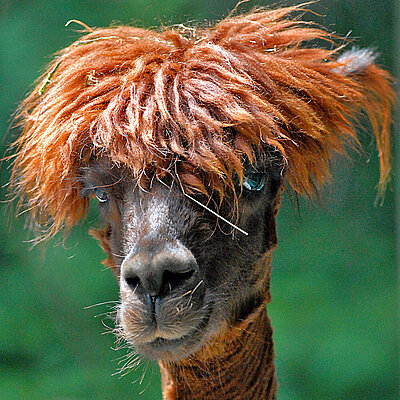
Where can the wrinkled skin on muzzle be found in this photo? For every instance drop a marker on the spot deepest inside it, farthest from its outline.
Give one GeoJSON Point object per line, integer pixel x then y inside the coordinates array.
{"type": "Point", "coordinates": [184, 274]}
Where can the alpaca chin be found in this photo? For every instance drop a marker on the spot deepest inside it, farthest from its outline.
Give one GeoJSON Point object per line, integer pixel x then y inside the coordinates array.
{"type": "Point", "coordinates": [164, 349]}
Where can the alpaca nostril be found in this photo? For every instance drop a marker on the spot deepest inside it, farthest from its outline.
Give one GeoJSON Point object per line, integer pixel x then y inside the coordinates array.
{"type": "Point", "coordinates": [158, 273]}
{"type": "Point", "coordinates": [172, 280]}
{"type": "Point", "coordinates": [162, 284]}
{"type": "Point", "coordinates": [133, 282]}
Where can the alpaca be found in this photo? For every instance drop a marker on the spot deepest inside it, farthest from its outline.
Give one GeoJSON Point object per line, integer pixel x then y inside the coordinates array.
{"type": "Point", "coordinates": [186, 138]}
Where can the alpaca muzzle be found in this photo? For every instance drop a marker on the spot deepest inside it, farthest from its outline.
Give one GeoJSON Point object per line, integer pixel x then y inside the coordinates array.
{"type": "Point", "coordinates": [162, 294]}
{"type": "Point", "coordinates": [156, 271]}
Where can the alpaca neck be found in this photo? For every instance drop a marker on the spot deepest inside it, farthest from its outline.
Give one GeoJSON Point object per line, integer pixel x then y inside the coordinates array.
{"type": "Point", "coordinates": [237, 364]}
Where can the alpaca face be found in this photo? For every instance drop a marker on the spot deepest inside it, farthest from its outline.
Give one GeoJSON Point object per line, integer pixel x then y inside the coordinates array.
{"type": "Point", "coordinates": [183, 273]}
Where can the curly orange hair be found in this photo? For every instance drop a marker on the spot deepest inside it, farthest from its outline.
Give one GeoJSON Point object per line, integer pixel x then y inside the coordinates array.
{"type": "Point", "coordinates": [197, 100]}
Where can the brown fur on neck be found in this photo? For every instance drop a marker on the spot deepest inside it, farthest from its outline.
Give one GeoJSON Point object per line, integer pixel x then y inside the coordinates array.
{"type": "Point", "coordinates": [243, 351]}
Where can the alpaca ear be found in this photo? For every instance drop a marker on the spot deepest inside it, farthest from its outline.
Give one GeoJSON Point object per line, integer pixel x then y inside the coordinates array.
{"type": "Point", "coordinates": [359, 65]}
{"type": "Point", "coordinates": [357, 86]}
{"type": "Point", "coordinates": [355, 61]}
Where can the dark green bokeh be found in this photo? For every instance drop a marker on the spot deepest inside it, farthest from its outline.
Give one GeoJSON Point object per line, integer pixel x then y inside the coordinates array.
{"type": "Point", "coordinates": [334, 281]}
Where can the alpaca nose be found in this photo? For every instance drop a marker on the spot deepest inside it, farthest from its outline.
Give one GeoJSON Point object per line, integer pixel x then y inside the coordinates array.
{"type": "Point", "coordinates": [159, 273]}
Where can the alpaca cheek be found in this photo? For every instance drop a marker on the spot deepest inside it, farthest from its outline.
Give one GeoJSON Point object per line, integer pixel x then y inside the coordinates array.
{"type": "Point", "coordinates": [238, 275]}
{"type": "Point", "coordinates": [270, 238]}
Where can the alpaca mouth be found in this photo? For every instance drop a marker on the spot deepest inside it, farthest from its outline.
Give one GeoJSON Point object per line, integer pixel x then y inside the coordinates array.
{"type": "Point", "coordinates": [176, 349]}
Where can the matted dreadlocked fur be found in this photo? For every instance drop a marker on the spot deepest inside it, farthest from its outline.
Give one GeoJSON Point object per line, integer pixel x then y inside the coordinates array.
{"type": "Point", "coordinates": [197, 100]}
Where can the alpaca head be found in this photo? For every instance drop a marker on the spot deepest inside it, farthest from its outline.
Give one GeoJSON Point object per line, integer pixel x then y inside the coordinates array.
{"type": "Point", "coordinates": [185, 138]}
{"type": "Point", "coordinates": [183, 272]}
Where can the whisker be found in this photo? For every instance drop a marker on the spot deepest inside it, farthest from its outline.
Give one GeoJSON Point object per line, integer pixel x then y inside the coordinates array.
{"type": "Point", "coordinates": [191, 295]}
{"type": "Point", "coordinates": [101, 304]}
{"type": "Point", "coordinates": [152, 373]}
{"type": "Point", "coordinates": [216, 214]}
{"type": "Point", "coordinates": [207, 208]}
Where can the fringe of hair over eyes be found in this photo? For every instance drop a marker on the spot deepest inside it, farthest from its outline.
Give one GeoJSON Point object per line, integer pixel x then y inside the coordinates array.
{"type": "Point", "coordinates": [197, 101]}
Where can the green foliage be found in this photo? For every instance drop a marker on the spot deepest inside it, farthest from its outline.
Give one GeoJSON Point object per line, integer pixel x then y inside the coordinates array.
{"type": "Point", "coordinates": [334, 281]}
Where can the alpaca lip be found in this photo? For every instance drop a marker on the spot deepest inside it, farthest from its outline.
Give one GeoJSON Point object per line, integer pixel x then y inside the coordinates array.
{"type": "Point", "coordinates": [161, 342]}
{"type": "Point", "coordinates": [173, 349]}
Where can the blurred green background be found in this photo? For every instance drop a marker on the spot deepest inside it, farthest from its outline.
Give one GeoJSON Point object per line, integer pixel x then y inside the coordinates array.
{"type": "Point", "coordinates": [335, 276]}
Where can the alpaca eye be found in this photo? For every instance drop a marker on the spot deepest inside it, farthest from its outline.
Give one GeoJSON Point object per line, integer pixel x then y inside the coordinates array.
{"type": "Point", "coordinates": [101, 195]}
{"type": "Point", "coordinates": [254, 181]}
